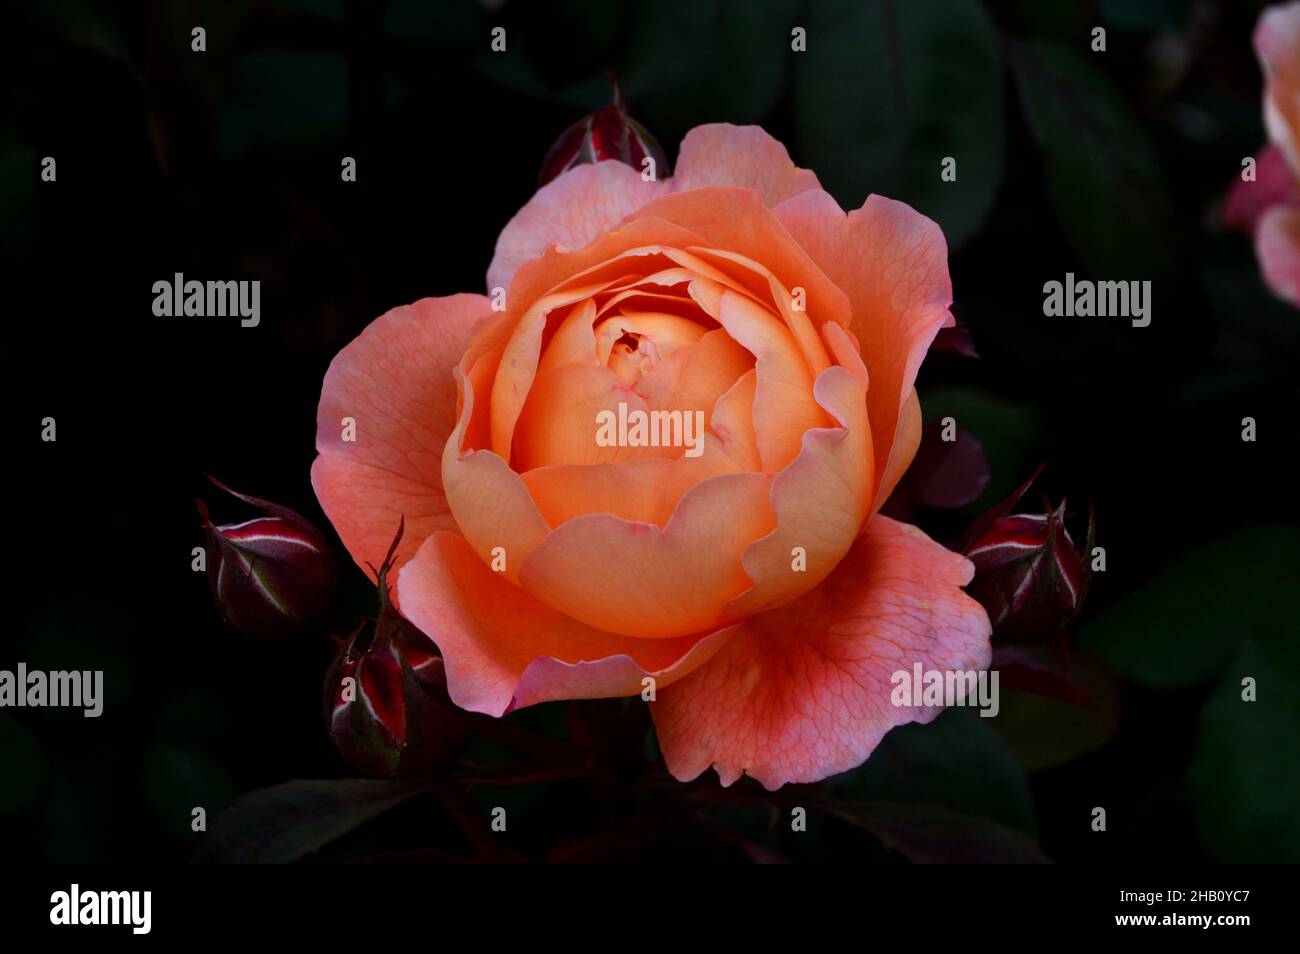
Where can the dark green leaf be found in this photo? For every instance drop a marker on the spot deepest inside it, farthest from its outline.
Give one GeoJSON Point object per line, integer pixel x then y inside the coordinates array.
{"type": "Point", "coordinates": [957, 760]}
{"type": "Point", "coordinates": [1182, 626]}
{"type": "Point", "coordinates": [179, 779]}
{"type": "Point", "coordinates": [285, 95]}
{"type": "Point", "coordinates": [690, 62]}
{"type": "Point", "coordinates": [1047, 732]}
{"type": "Point", "coordinates": [932, 834]}
{"type": "Point", "coordinates": [888, 89]}
{"type": "Point", "coordinates": [1245, 773]}
{"type": "Point", "coordinates": [20, 754]}
{"type": "Point", "coordinates": [1102, 174]}
{"type": "Point", "coordinates": [287, 822]}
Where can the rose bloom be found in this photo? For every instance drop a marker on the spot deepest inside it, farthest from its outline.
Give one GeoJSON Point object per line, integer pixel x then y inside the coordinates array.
{"type": "Point", "coordinates": [1270, 206]}
{"type": "Point", "coordinates": [754, 584]}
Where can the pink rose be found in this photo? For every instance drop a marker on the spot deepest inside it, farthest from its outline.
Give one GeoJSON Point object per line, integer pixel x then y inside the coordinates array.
{"type": "Point", "coordinates": [1269, 206]}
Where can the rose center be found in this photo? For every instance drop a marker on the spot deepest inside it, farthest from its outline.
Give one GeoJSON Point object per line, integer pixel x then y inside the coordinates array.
{"type": "Point", "coordinates": [632, 356]}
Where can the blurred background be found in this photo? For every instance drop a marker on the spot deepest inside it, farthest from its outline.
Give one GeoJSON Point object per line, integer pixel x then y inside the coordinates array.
{"type": "Point", "coordinates": [225, 164]}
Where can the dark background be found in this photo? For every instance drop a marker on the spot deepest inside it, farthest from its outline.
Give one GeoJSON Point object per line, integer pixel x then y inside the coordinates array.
{"type": "Point", "coordinates": [225, 165]}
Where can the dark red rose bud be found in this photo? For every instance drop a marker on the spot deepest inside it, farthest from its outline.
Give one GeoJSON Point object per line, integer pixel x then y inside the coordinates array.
{"type": "Point", "coordinates": [608, 133]}
{"type": "Point", "coordinates": [273, 576]}
{"type": "Point", "coordinates": [1029, 575]}
{"type": "Point", "coordinates": [386, 702]}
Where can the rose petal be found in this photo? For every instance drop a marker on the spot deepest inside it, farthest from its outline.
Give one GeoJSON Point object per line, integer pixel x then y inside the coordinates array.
{"type": "Point", "coordinates": [1277, 43]}
{"type": "Point", "coordinates": [491, 505]}
{"type": "Point", "coordinates": [587, 200]}
{"type": "Point", "coordinates": [646, 490]}
{"type": "Point", "coordinates": [733, 422]}
{"type": "Point", "coordinates": [503, 649]}
{"type": "Point", "coordinates": [640, 580]}
{"type": "Point", "coordinates": [555, 280]}
{"type": "Point", "coordinates": [395, 381]}
{"type": "Point", "coordinates": [803, 692]}
{"type": "Point", "coordinates": [569, 211]}
{"type": "Point", "coordinates": [737, 220]}
{"type": "Point", "coordinates": [1273, 185]}
{"type": "Point", "coordinates": [784, 406]}
{"type": "Point", "coordinates": [907, 439]}
{"type": "Point", "coordinates": [893, 264]}
{"type": "Point", "coordinates": [695, 378]}
{"type": "Point", "coordinates": [821, 499]}
{"type": "Point", "coordinates": [720, 154]}
{"type": "Point", "coordinates": [560, 422]}
{"type": "Point", "coordinates": [1277, 246]}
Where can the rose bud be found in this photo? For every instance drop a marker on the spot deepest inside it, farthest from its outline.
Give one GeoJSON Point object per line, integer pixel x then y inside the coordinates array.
{"type": "Point", "coordinates": [272, 576]}
{"type": "Point", "coordinates": [386, 703]}
{"type": "Point", "coordinates": [608, 133]}
{"type": "Point", "coordinates": [1029, 576]}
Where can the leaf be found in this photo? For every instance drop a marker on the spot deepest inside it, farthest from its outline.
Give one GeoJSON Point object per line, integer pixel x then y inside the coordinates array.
{"type": "Point", "coordinates": [1102, 174]}
{"type": "Point", "coordinates": [932, 834]}
{"type": "Point", "coordinates": [177, 779]}
{"type": "Point", "coordinates": [1245, 772]}
{"type": "Point", "coordinates": [1238, 297]}
{"type": "Point", "coordinates": [284, 95]}
{"type": "Point", "coordinates": [1046, 733]}
{"type": "Point", "coordinates": [689, 62]}
{"type": "Point", "coordinates": [887, 90]}
{"type": "Point", "coordinates": [1182, 627]}
{"type": "Point", "coordinates": [1038, 670]}
{"type": "Point", "coordinates": [1145, 16]}
{"type": "Point", "coordinates": [19, 171]}
{"type": "Point", "coordinates": [81, 23]}
{"type": "Point", "coordinates": [20, 754]}
{"type": "Point", "coordinates": [957, 760]}
{"type": "Point", "coordinates": [286, 822]}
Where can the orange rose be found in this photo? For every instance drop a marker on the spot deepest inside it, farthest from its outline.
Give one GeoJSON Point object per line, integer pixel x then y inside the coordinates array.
{"type": "Point", "coordinates": [750, 581]}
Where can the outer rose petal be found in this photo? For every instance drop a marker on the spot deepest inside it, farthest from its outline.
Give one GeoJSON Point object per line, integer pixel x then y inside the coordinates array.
{"type": "Point", "coordinates": [803, 691]}
{"type": "Point", "coordinates": [395, 380]}
{"type": "Point", "coordinates": [720, 154]}
{"type": "Point", "coordinates": [1277, 246]}
{"type": "Point", "coordinates": [503, 649]}
{"type": "Point", "coordinates": [907, 438]}
{"type": "Point", "coordinates": [570, 211]}
{"type": "Point", "coordinates": [575, 207]}
{"type": "Point", "coordinates": [893, 264]}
